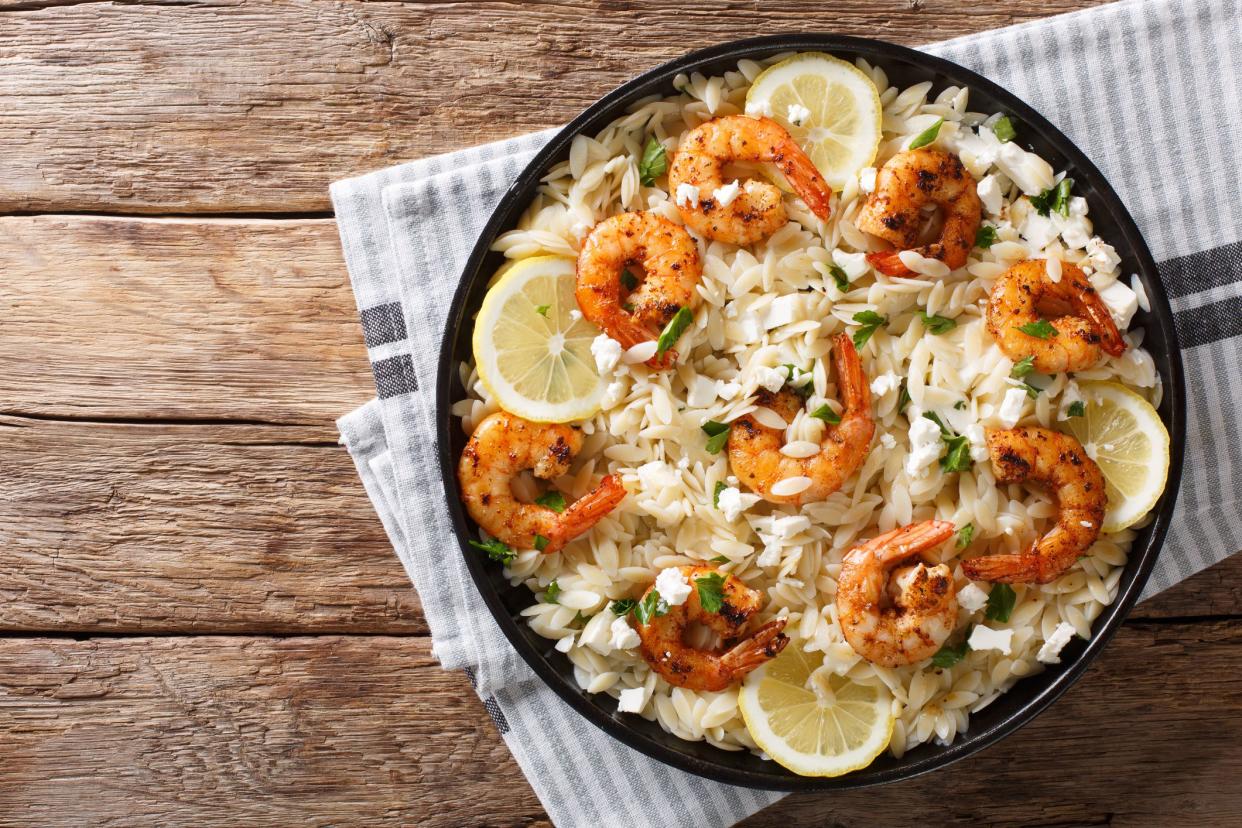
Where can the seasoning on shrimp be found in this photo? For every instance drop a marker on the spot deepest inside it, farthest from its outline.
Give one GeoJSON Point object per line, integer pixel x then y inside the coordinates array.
{"type": "Point", "coordinates": [1073, 479]}
{"type": "Point", "coordinates": [750, 214]}
{"type": "Point", "coordinates": [663, 637]}
{"type": "Point", "coordinates": [503, 446]}
{"type": "Point", "coordinates": [909, 183]}
{"type": "Point", "coordinates": [755, 449]}
{"type": "Point", "coordinates": [922, 612]}
{"type": "Point", "coordinates": [1075, 339]}
{"type": "Point", "coordinates": [659, 255]}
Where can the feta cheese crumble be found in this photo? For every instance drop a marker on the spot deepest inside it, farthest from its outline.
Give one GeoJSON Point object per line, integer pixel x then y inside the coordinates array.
{"type": "Point", "coordinates": [756, 109]}
{"type": "Point", "coordinates": [623, 635]}
{"type": "Point", "coordinates": [1050, 653]}
{"type": "Point", "coordinates": [1011, 407]}
{"type": "Point", "coordinates": [924, 446]}
{"type": "Point", "coordinates": [971, 598]}
{"type": "Point", "coordinates": [797, 114]}
{"type": "Point", "coordinates": [986, 638]}
{"type": "Point", "coordinates": [773, 379]}
{"type": "Point", "coordinates": [724, 195]}
{"type": "Point", "coordinates": [866, 179]}
{"type": "Point", "coordinates": [672, 586]}
{"type": "Point", "coordinates": [632, 700]}
{"type": "Point", "coordinates": [990, 194]}
{"type": "Point", "coordinates": [888, 441]}
{"type": "Point", "coordinates": [607, 352]}
{"type": "Point", "coordinates": [687, 195]}
{"type": "Point", "coordinates": [733, 502]}
{"type": "Point", "coordinates": [884, 383]}
{"type": "Point", "coordinates": [1122, 302]}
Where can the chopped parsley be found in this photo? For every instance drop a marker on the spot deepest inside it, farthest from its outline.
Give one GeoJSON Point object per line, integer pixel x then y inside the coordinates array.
{"type": "Point", "coordinates": [1003, 129]}
{"type": "Point", "coordinates": [652, 606]}
{"type": "Point", "coordinates": [623, 607]}
{"type": "Point", "coordinates": [1055, 198]}
{"type": "Point", "coordinates": [653, 163]}
{"type": "Point", "coordinates": [805, 387]}
{"type": "Point", "coordinates": [541, 543]}
{"type": "Point", "coordinates": [1077, 408]}
{"type": "Point", "coordinates": [965, 535]}
{"type": "Point", "coordinates": [496, 550]}
{"type": "Point", "coordinates": [1000, 603]}
{"type": "Point", "coordinates": [871, 322]}
{"type": "Point", "coordinates": [957, 458]}
{"type": "Point", "coordinates": [1041, 329]}
{"type": "Point", "coordinates": [553, 500]}
{"type": "Point", "coordinates": [960, 405]}
{"type": "Point", "coordinates": [903, 398]}
{"type": "Point", "coordinates": [720, 559]}
{"type": "Point", "coordinates": [552, 593]}
{"type": "Point", "coordinates": [949, 655]}
{"type": "Point", "coordinates": [827, 415]}
{"type": "Point", "coordinates": [1032, 391]}
{"type": "Point", "coordinates": [1023, 367]}
{"type": "Point", "coordinates": [937, 325]}
{"type": "Point", "coordinates": [717, 435]}
{"type": "Point", "coordinates": [673, 330]}
{"type": "Point", "coordinates": [928, 135]}
{"type": "Point", "coordinates": [542, 310]}
{"type": "Point", "coordinates": [839, 276]}
{"type": "Point", "coordinates": [720, 487]}
{"type": "Point", "coordinates": [711, 591]}
{"type": "Point", "coordinates": [628, 280]}
{"type": "Point", "coordinates": [985, 236]}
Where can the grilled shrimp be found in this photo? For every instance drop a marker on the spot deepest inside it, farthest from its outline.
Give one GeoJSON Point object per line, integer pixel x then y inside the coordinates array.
{"type": "Point", "coordinates": [755, 449]}
{"type": "Point", "coordinates": [668, 269]}
{"type": "Point", "coordinates": [757, 210]}
{"type": "Point", "coordinates": [663, 638]}
{"type": "Point", "coordinates": [1073, 479]}
{"type": "Point", "coordinates": [923, 609]}
{"type": "Point", "coordinates": [503, 446]}
{"type": "Point", "coordinates": [1083, 330]}
{"type": "Point", "coordinates": [910, 181]}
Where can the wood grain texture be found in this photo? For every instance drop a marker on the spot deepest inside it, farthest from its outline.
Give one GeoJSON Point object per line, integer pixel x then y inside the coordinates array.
{"type": "Point", "coordinates": [129, 528]}
{"type": "Point", "coordinates": [367, 730]}
{"type": "Point", "coordinates": [245, 319]}
{"type": "Point", "coordinates": [247, 106]}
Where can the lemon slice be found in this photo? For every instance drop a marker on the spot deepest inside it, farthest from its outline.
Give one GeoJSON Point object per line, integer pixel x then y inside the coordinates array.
{"type": "Point", "coordinates": [533, 355]}
{"type": "Point", "coordinates": [1130, 444]}
{"type": "Point", "coordinates": [841, 133]}
{"type": "Point", "coordinates": [824, 725]}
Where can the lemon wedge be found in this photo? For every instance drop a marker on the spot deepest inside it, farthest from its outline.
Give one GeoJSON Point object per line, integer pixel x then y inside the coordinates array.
{"type": "Point", "coordinates": [830, 107]}
{"type": "Point", "coordinates": [533, 353]}
{"type": "Point", "coordinates": [815, 725]}
{"type": "Point", "coordinates": [1129, 443]}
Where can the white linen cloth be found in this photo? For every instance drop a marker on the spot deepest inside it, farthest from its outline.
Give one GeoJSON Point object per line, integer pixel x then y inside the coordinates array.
{"type": "Point", "coordinates": [1148, 89]}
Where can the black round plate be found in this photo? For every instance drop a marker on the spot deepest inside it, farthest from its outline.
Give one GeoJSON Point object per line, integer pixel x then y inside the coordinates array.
{"type": "Point", "coordinates": [1031, 695]}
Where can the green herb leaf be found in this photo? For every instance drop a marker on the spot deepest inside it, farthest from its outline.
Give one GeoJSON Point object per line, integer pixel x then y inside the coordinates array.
{"type": "Point", "coordinates": [542, 310]}
{"type": "Point", "coordinates": [1056, 197]}
{"type": "Point", "coordinates": [827, 415]}
{"type": "Point", "coordinates": [1003, 129]}
{"type": "Point", "coordinates": [541, 543]}
{"type": "Point", "coordinates": [1077, 408]}
{"type": "Point", "coordinates": [553, 499]}
{"type": "Point", "coordinates": [579, 620]}
{"type": "Point", "coordinates": [937, 325]}
{"type": "Point", "coordinates": [673, 330]}
{"type": "Point", "coordinates": [1023, 367]}
{"type": "Point", "coordinates": [652, 606]}
{"type": "Point", "coordinates": [957, 458]}
{"type": "Point", "coordinates": [945, 433]}
{"type": "Point", "coordinates": [949, 655]}
{"type": "Point", "coordinates": [839, 276]}
{"type": "Point", "coordinates": [960, 405]}
{"type": "Point", "coordinates": [903, 398]}
{"type": "Point", "coordinates": [928, 135]}
{"type": "Point", "coordinates": [496, 550]}
{"type": "Point", "coordinates": [720, 487]}
{"type": "Point", "coordinates": [550, 595]}
{"type": "Point", "coordinates": [1041, 329]}
{"type": "Point", "coordinates": [965, 535]}
{"type": "Point", "coordinates": [1000, 603]}
{"type": "Point", "coordinates": [720, 559]}
{"type": "Point", "coordinates": [628, 280]}
{"type": "Point", "coordinates": [871, 322]}
{"type": "Point", "coordinates": [711, 591]}
{"type": "Point", "coordinates": [653, 163]}
{"type": "Point", "coordinates": [717, 434]}
{"type": "Point", "coordinates": [985, 236]}
{"type": "Point", "coordinates": [1032, 391]}
{"type": "Point", "coordinates": [623, 607]}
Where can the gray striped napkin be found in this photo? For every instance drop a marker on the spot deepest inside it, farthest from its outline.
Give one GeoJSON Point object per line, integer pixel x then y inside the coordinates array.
{"type": "Point", "coordinates": [1148, 89]}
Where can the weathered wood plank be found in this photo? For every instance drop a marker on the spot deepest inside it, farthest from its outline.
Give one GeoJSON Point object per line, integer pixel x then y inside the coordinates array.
{"type": "Point", "coordinates": [157, 528]}
{"type": "Point", "coordinates": [241, 731]}
{"type": "Point", "coordinates": [186, 319]}
{"type": "Point", "coordinates": [238, 105]}
{"type": "Point", "coordinates": [367, 730]}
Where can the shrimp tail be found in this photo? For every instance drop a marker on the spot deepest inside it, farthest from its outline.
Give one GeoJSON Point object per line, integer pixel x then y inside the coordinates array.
{"type": "Point", "coordinates": [890, 264]}
{"type": "Point", "coordinates": [764, 644]}
{"type": "Point", "coordinates": [905, 541]}
{"type": "Point", "coordinates": [802, 174]}
{"type": "Point", "coordinates": [585, 512]}
{"type": "Point", "coordinates": [1110, 337]}
{"type": "Point", "coordinates": [1020, 568]}
{"type": "Point", "coordinates": [855, 391]}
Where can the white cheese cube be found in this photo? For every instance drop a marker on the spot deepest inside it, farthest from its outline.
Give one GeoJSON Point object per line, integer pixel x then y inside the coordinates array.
{"type": "Point", "coordinates": [986, 638]}
{"type": "Point", "coordinates": [672, 586]}
{"type": "Point", "coordinates": [1011, 407]}
{"type": "Point", "coordinates": [971, 598]}
{"type": "Point", "coordinates": [1050, 653]}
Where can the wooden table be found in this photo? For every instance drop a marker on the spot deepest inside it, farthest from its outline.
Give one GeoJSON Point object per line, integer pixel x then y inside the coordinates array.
{"type": "Point", "coordinates": [203, 623]}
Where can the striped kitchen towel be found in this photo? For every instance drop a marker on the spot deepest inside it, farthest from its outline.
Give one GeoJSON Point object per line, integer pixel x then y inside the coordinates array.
{"type": "Point", "coordinates": [1147, 88]}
